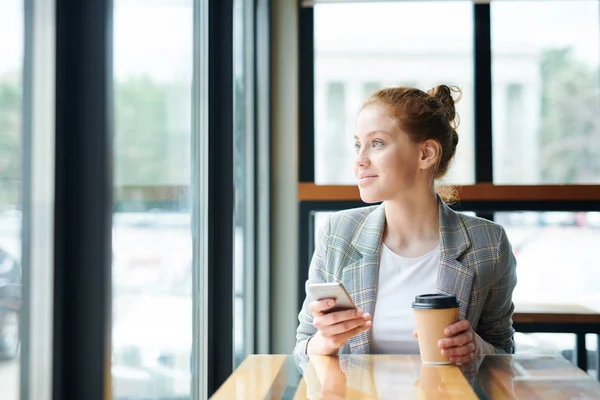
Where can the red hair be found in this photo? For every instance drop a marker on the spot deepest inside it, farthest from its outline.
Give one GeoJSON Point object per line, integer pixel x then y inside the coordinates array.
{"type": "Point", "coordinates": [425, 116]}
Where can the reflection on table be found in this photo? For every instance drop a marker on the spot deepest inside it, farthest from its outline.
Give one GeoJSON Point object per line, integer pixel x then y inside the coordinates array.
{"type": "Point", "coordinates": [405, 377]}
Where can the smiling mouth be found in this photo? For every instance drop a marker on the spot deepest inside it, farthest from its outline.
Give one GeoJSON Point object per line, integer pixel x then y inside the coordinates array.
{"type": "Point", "coordinates": [367, 178]}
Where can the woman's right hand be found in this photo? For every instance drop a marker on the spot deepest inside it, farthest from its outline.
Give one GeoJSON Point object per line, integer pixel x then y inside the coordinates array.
{"type": "Point", "coordinates": [335, 328]}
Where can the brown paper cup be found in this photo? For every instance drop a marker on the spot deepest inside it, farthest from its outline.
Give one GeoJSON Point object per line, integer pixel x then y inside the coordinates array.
{"type": "Point", "coordinates": [433, 314]}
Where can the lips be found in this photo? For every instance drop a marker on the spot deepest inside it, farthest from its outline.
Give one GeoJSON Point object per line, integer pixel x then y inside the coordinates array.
{"type": "Point", "coordinates": [365, 179]}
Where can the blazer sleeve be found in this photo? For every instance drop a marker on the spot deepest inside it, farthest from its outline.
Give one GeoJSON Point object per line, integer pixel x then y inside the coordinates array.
{"type": "Point", "coordinates": [316, 274]}
{"type": "Point", "coordinates": [495, 324]}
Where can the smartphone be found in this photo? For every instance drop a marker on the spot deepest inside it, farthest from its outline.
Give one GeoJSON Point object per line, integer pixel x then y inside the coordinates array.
{"type": "Point", "coordinates": [331, 290]}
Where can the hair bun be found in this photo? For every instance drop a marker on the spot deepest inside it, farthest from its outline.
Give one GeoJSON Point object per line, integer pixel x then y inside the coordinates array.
{"type": "Point", "coordinates": [454, 138]}
{"type": "Point", "coordinates": [444, 94]}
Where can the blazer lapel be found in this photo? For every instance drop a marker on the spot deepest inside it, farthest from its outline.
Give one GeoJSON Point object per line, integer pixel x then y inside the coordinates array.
{"type": "Point", "coordinates": [454, 278]}
{"type": "Point", "coordinates": [360, 276]}
{"type": "Point", "coordinates": [360, 280]}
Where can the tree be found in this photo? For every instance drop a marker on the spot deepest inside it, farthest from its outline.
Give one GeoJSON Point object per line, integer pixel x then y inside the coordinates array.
{"type": "Point", "coordinates": [10, 141]}
{"type": "Point", "coordinates": [570, 127]}
{"type": "Point", "coordinates": [140, 132]}
{"type": "Point", "coordinates": [152, 143]}
{"type": "Point", "coordinates": [145, 132]}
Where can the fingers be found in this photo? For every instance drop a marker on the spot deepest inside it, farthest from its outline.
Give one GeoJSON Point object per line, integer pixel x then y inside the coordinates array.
{"type": "Point", "coordinates": [340, 321]}
{"type": "Point", "coordinates": [341, 316]}
{"type": "Point", "coordinates": [415, 334]}
{"type": "Point", "coordinates": [337, 341]}
{"type": "Point", "coordinates": [460, 345]}
{"type": "Point", "coordinates": [337, 327]}
{"type": "Point", "coordinates": [343, 327]}
{"type": "Point", "coordinates": [459, 351]}
{"type": "Point", "coordinates": [458, 340]}
{"type": "Point", "coordinates": [336, 317]}
{"type": "Point", "coordinates": [457, 327]}
{"type": "Point", "coordinates": [319, 306]}
{"type": "Point", "coordinates": [347, 335]}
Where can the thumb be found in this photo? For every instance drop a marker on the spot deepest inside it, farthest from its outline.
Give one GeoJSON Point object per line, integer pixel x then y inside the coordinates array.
{"type": "Point", "coordinates": [415, 334]}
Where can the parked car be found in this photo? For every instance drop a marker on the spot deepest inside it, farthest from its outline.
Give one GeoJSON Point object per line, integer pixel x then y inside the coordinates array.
{"type": "Point", "coordinates": [10, 305]}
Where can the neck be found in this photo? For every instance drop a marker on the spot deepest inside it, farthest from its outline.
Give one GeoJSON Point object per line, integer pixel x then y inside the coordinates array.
{"type": "Point", "coordinates": [412, 222]}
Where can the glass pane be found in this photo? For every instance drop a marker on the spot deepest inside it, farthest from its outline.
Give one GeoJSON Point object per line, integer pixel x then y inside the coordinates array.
{"type": "Point", "coordinates": [152, 237]}
{"type": "Point", "coordinates": [360, 48]}
{"type": "Point", "coordinates": [546, 244]}
{"type": "Point", "coordinates": [556, 263]}
{"type": "Point", "coordinates": [546, 119]}
{"type": "Point", "coordinates": [11, 88]}
{"type": "Point", "coordinates": [244, 212]}
{"type": "Point", "coordinates": [591, 344]}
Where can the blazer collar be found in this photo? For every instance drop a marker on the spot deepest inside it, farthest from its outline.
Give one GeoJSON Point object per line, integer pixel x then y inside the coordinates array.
{"type": "Point", "coordinates": [454, 240]}
{"type": "Point", "coordinates": [367, 238]}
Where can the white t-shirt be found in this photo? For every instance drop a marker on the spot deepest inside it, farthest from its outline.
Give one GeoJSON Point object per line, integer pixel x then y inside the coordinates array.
{"type": "Point", "coordinates": [400, 280]}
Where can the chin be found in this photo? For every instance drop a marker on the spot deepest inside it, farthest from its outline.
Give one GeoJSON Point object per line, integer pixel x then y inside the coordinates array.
{"type": "Point", "coordinates": [370, 197]}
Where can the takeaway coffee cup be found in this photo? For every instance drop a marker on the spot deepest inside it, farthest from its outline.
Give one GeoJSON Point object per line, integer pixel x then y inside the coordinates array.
{"type": "Point", "coordinates": [433, 313]}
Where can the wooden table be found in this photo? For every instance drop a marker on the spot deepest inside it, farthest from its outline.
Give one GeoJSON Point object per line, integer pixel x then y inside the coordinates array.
{"type": "Point", "coordinates": [561, 318]}
{"type": "Point", "coordinates": [404, 377]}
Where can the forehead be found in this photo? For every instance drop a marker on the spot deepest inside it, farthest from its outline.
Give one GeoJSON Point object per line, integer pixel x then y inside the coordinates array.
{"type": "Point", "coordinates": [374, 118]}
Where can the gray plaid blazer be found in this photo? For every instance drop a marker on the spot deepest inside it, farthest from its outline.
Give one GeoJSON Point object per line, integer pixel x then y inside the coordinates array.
{"type": "Point", "coordinates": [476, 264]}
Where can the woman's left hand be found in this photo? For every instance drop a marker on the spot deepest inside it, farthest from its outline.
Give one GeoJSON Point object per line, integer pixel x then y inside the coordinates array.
{"type": "Point", "coordinates": [461, 343]}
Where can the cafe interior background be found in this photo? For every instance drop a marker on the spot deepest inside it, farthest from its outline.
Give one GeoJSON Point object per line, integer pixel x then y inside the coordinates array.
{"type": "Point", "coordinates": [165, 164]}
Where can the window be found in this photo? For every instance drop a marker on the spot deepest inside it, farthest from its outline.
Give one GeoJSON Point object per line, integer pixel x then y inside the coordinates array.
{"type": "Point", "coordinates": [152, 236]}
{"type": "Point", "coordinates": [546, 244]}
{"type": "Point", "coordinates": [546, 124]}
{"type": "Point", "coordinates": [245, 217]}
{"type": "Point", "coordinates": [11, 178]}
{"type": "Point", "coordinates": [369, 88]}
{"type": "Point", "coordinates": [331, 145]}
{"type": "Point", "coordinates": [374, 45]}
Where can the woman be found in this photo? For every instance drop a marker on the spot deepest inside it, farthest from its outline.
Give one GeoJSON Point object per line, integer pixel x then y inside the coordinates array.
{"type": "Point", "coordinates": [412, 243]}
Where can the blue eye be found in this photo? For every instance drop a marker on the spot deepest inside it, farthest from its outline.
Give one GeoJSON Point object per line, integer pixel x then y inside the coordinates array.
{"type": "Point", "coordinates": [377, 143]}
{"type": "Point", "coordinates": [356, 146]}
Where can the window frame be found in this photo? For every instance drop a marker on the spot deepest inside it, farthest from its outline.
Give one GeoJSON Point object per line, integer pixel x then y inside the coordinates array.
{"type": "Point", "coordinates": [84, 198]}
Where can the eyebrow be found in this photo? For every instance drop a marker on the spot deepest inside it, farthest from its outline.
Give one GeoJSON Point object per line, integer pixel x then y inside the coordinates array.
{"type": "Point", "coordinates": [375, 132]}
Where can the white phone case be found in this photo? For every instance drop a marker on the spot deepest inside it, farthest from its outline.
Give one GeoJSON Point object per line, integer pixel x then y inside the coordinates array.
{"type": "Point", "coordinates": [331, 290]}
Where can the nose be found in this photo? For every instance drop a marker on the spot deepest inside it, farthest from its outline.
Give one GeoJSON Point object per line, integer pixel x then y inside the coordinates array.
{"type": "Point", "coordinates": [362, 160]}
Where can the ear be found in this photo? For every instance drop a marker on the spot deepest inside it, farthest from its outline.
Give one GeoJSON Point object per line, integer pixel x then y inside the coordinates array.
{"type": "Point", "coordinates": [430, 153]}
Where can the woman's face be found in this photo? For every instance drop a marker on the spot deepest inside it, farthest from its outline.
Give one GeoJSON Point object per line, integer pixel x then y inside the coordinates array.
{"type": "Point", "coordinates": [387, 163]}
